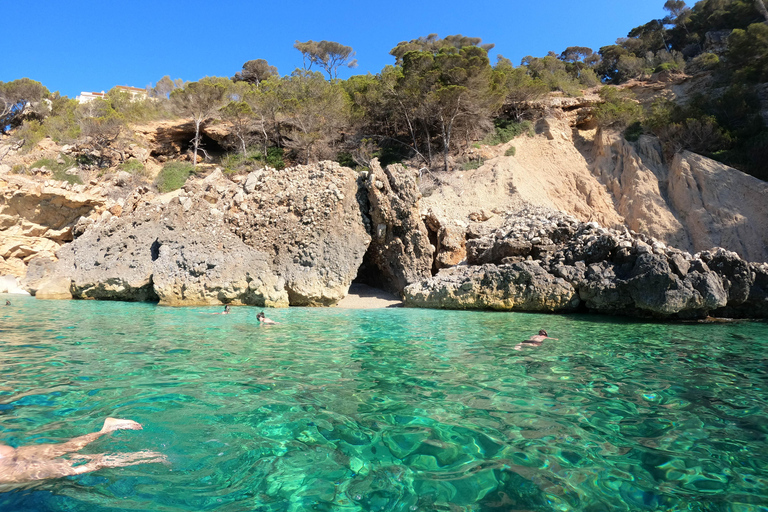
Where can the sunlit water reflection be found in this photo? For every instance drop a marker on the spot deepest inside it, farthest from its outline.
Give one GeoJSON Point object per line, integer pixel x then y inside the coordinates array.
{"type": "Point", "coordinates": [388, 410]}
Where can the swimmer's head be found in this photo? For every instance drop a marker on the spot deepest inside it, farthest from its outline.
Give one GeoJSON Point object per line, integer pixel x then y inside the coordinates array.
{"type": "Point", "coordinates": [259, 316]}
{"type": "Point", "coordinates": [542, 332]}
{"type": "Point", "coordinates": [226, 308]}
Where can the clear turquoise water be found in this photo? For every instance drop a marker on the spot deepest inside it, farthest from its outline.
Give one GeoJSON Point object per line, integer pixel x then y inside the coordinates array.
{"type": "Point", "coordinates": [388, 410]}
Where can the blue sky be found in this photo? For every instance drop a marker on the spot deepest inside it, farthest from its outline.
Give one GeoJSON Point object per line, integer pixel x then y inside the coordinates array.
{"type": "Point", "coordinates": [94, 45]}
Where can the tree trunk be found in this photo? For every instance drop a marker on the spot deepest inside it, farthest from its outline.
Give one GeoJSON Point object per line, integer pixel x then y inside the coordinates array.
{"type": "Point", "coordinates": [429, 144]}
{"type": "Point", "coordinates": [266, 137]}
{"type": "Point", "coordinates": [446, 139]}
{"type": "Point", "coordinates": [761, 7]}
{"type": "Point", "coordinates": [196, 142]}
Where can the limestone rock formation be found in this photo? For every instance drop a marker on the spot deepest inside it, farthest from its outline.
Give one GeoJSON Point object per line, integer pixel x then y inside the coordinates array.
{"type": "Point", "coordinates": [692, 203]}
{"type": "Point", "coordinates": [54, 288]}
{"type": "Point", "coordinates": [400, 247]}
{"type": "Point", "coordinates": [719, 206]}
{"type": "Point", "coordinates": [449, 240]}
{"type": "Point", "coordinates": [547, 261]}
{"type": "Point", "coordinates": [37, 218]}
{"type": "Point", "coordinates": [282, 237]}
{"type": "Point", "coordinates": [523, 286]}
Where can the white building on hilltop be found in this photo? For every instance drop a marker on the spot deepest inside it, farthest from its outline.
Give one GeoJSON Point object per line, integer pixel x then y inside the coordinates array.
{"type": "Point", "coordinates": [135, 92]}
{"type": "Point", "coordinates": [87, 97]}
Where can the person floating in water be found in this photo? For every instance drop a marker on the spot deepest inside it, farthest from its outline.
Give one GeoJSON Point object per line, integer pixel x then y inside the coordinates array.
{"type": "Point", "coordinates": [264, 320]}
{"type": "Point", "coordinates": [535, 340]}
{"type": "Point", "coordinates": [7, 303]}
{"type": "Point", "coordinates": [41, 461]}
{"type": "Point", "coordinates": [225, 312]}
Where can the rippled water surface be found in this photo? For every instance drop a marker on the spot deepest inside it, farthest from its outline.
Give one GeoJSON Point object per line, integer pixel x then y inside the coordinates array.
{"type": "Point", "coordinates": [387, 410]}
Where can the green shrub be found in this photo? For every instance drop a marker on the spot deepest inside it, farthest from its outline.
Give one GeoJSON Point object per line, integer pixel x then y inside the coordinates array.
{"type": "Point", "coordinates": [667, 66]}
{"type": "Point", "coordinates": [472, 164]}
{"type": "Point", "coordinates": [173, 175]}
{"type": "Point", "coordinates": [275, 158]}
{"type": "Point", "coordinates": [233, 163]}
{"type": "Point", "coordinates": [702, 62]}
{"type": "Point", "coordinates": [633, 131]}
{"type": "Point", "coordinates": [619, 108]}
{"type": "Point", "coordinates": [511, 150]}
{"type": "Point", "coordinates": [345, 160]}
{"type": "Point", "coordinates": [61, 175]}
{"type": "Point", "coordinates": [505, 130]}
{"type": "Point", "coordinates": [18, 169]}
{"type": "Point", "coordinates": [31, 132]}
{"type": "Point", "coordinates": [132, 166]}
{"type": "Point", "coordinates": [59, 168]}
{"type": "Point", "coordinates": [48, 163]}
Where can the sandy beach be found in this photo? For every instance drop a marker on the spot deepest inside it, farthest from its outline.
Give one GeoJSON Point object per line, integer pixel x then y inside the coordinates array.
{"type": "Point", "coordinates": [362, 296]}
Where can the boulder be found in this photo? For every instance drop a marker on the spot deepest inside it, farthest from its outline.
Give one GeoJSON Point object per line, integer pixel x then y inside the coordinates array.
{"type": "Point", "coordinates": [541, 260]}
{"type": "Point", "coordinates": [450, 238]}
{"type": "Point", "coordinates": [54, 288]}
{"type": "Point", "coordinates": [523, 286]}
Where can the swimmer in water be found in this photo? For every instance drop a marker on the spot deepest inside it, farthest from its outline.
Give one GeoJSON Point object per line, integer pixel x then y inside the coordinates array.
{"type": "Point", "coordinates": [225, 312]}
{"type": "Point", "coordinates": [264, 320]}
{"type": "Point", "coordinates": [41, 461]}
{"type": "Point", "coordinates": [535, 340]}
{"type": "Point", "coordinates": [7, 303]}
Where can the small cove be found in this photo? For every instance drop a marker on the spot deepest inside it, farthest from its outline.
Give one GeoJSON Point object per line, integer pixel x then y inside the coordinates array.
{"type": "Point", "coordinates": [388, 409]}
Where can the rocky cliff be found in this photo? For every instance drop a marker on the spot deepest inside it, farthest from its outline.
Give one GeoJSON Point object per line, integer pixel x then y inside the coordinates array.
{"type": "Point", "coordinates": [277, 238]}
{"type": "Point", "coordinates": [37, 218]}
{"type": "Point", "coordinates": [271, 238]}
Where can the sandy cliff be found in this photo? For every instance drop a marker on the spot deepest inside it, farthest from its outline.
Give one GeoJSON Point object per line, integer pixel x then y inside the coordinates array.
{"type": "Point", "coordinates": [692, 203]}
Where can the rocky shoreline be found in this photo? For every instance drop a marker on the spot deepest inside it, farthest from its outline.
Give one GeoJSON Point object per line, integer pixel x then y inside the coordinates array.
{"type": "Point", "coordinates": [302, 236]}
{"type": "Point", "coordinates": [546, 261]}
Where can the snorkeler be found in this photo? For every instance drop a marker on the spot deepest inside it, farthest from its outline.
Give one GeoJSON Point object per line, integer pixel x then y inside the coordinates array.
{"type": "Point", "coordinates": [41, 461]}
{"type": "Point", "coordinates": [264, 320]}
{"type": "Point", "coordinates": [535, 340]}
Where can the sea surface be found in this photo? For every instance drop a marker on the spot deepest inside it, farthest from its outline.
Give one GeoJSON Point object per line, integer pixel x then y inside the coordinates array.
{"type": "Point", "coordinates": [387, 409]}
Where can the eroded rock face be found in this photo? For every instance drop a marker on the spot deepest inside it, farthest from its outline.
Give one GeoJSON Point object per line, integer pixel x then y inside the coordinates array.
{"type": "Point", "coordinates": [693, 202]}
{"type": "Point", "coordinates": [523, 286]}
{"type": "Point", "coordinates": [37, 218]}
{"type": "Point", "coordinates": [294, 236]}
{"type": "Point", "coordinates": [547, 261]}
{"type": "Point", "coordinates": [400, 247]}
{"type": "Point", "coordinates": [450, 240]}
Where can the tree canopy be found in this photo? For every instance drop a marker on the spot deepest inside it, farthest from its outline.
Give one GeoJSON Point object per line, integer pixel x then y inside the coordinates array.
{"type": "Point", "coordinates": [21, 99]}
{"type": "Point", "coordinates": [441, 94]}
{"type": "Point", "coordinates": [255, 72]}
{"type": "Point", "coordinates": [328, 55]}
